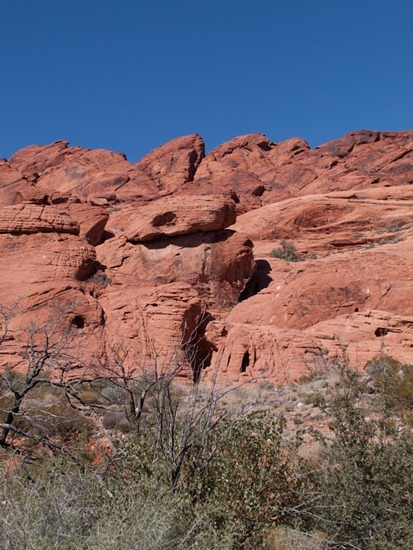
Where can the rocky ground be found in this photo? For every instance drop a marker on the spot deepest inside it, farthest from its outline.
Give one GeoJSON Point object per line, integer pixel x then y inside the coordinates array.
{"type": "Point", "coordinates": [181, 256]}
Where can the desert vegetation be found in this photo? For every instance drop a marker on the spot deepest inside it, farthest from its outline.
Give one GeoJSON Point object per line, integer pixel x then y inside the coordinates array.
{"type": "Point", "coordinates": [117, 456]}
{"type": "Point", "coordinates": [286, 251]}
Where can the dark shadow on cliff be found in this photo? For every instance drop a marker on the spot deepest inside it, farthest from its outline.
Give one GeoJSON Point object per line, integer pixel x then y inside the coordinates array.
{"type": "Point", "coordinates": [260, 280]}
{"type": "Point", "coordinates": [192, 240]}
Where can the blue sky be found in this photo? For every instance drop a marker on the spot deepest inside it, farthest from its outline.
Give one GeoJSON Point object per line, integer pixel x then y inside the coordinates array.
{"type": "Point", "coordinates": [128, 75]}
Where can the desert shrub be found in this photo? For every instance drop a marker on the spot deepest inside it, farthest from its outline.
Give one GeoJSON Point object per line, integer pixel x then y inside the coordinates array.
{"type": "Point", "coordinates": [391, 240]}
{"type": "Point", "coordinates": [287, 251]}
{"type": "Point", "coordinates": [364, 485]}
{"type": "Point", "coordinates": [394, 381]}
{"type": "Point", "coordinates": [394, 226]}
{"type": "Point", "coordinates": [245, 478]}
{"type": "Point", "coordinates": [100, 279]}
{"type": "Point", "coordinates": [56, 506]}
{"type": "Point", "coordinates": [113, 395]}
{"type": "Point", "coordinates": [287, 538]}
{"type": "Point", "coordinates": [55, 418]}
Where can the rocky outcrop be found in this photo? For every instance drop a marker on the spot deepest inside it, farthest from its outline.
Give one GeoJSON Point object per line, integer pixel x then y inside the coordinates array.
{"type": "Point", "coordinates": [150, 258]}
{"type": "Point", "coordinates": [84, 173]}
{"type": "Point", "coordinates": [30, 218]}
{"type": "Point", "coordinates": [333, 221]}
{"type": "Point", "coordinates": [91, 219]}
{"type": "Point", "coordinates": [154, 325]}
{"type": "Point", "coordinates": [255, 353]}
{"type": "Point", "coordinates": [256, 171]}
{"type": "Point", "coordinates": [174, 163]}
{"type": "Point", "coordinates": [217, 264]}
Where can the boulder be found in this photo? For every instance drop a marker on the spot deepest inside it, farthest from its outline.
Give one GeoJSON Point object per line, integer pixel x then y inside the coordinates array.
{"type": "Point", "coordinates": [85, 173]}
{"type": "Point", "coordinates": [176, 216]}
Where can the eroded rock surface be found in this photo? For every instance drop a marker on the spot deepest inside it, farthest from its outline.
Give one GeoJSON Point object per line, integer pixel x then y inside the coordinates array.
{"type": "Point", "coordinates": [172, 216]}
{"type": "Point", "coordinates": [150, 257]}
{"type": "Point", "coordinates": [174, 163]}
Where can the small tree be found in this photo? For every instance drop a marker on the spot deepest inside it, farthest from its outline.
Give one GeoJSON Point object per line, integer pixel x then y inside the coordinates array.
{"type": "Point", "coordinates": [48, 366]}
{"type": "Point", "coordinates": [248, 479]}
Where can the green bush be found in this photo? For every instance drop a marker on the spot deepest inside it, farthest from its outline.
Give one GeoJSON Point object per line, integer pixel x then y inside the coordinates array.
{"type": "Point", "coordinates": [394, 381]}
{"type": "Point", "coordinates": [287, 251]}
{"type": "Point", "coordinates": [245, 478]}
{"type": "Point", "coordinates": [364, 486]}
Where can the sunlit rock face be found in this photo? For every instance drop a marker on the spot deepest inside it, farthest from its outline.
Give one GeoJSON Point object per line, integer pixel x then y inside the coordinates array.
{"type": "Point", "coordinates": [181, 257]}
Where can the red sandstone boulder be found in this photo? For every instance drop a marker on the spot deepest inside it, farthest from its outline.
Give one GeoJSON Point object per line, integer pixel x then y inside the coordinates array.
{"type": "Point", "coordinates": [91, 219]}
{"type": "Point", "coordinates": [172, 216]}
{"type": "Point", "coordinates": [85, 173]}
{"type": "Point", "coordinates": [334, 221]}
{"type": "Point", "coordinates": [235, 168]}
{"type": "Point", "coordinates": [217, 264]}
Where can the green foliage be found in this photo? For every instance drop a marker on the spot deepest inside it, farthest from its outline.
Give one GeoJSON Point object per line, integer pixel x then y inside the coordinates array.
{"type": "Point", "coordinates": [394, 381]}
{"type": "Point", "coordinates": [365, 483]}
{"type": "Point", "coordinates": [287, 251]}
{"type": "Point", "coordinates": [57, 506]}
{"type": "Point", "coordinates": [245, 478]}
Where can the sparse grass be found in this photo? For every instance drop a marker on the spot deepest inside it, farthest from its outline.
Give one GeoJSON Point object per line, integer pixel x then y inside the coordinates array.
{"type": "Point", "coordinates": [391, 240]}
{"type": "Point", "coordinates": [393, 227]}
{"type": "Point", "coordinates": [58, 507]}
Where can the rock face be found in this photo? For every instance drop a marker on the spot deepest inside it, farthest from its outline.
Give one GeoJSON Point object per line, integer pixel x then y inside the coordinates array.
{"type": "Point", "coordinates": [30, 218]}
{"type": "Point", "coordinates": [256, 171]}
{"type": "Point", "coordinates": [174, 163]}
{"type": "Point", "coordinates": [152, 259]}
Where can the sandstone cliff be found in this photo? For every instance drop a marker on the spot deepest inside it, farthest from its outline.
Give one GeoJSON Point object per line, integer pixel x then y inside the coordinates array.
{"type": "Point", "coordinates": [179, 257]}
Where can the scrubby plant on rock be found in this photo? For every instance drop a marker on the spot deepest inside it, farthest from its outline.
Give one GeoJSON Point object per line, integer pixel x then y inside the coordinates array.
{"type": "Point", "coordinates": [287, 251]}
{"type": "Point", "coordinates": [363, 487]}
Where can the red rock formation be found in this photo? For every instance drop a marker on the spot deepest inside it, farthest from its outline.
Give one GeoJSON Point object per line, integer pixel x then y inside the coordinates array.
{"type": "Point", "coordinates": [30, 218]}
{"type": "Point", "coordinates": [149, 257]}
{"type": "Point", "coordinates": [173, 216]}
{"type": "Point", "coordinates": [174, 163]}
{"type": "Point", "coordinates": [85, 173]}
{"type": "Point", "coordinates": [257, 171]}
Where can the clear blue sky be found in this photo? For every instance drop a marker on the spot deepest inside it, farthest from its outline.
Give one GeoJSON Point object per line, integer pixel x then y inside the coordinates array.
{"type": "Point", "coordinates": [128, 75]}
